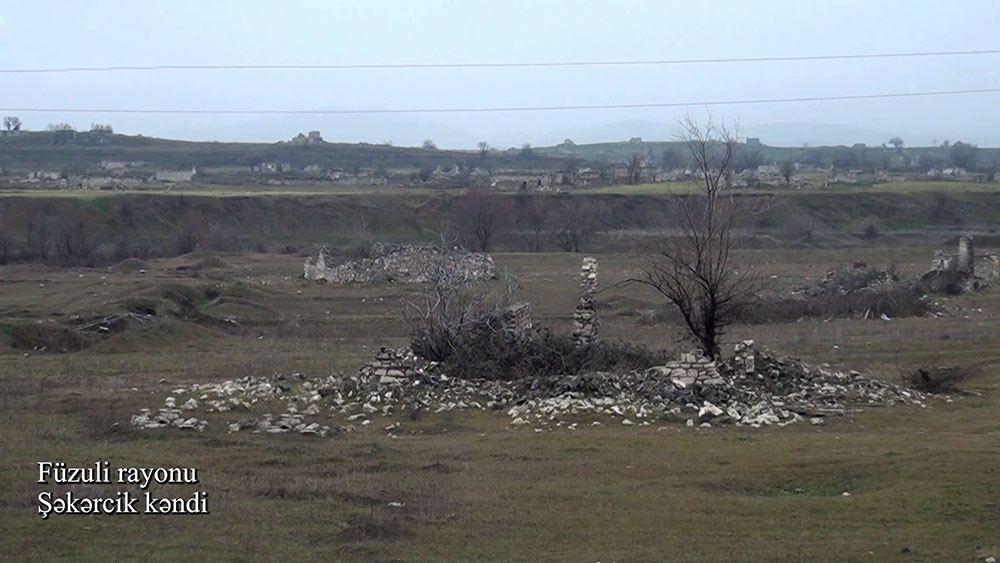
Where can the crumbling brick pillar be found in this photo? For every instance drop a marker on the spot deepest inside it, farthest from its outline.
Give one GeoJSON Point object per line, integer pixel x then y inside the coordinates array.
{"type": "Point", "coordinates": [585, 324]}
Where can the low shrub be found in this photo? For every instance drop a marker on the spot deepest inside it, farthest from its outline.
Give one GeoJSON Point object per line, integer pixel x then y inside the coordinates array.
{"type": "Point", "coordinates": [939, 379]}
{"type": "Point", "coordinates": [486, 350]}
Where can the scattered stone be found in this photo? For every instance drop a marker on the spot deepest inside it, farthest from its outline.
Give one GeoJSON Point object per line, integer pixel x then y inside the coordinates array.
{"type": "Point", "coordinates": [402, 263]}
{"type": "Point", "coordinates": [755, 388]}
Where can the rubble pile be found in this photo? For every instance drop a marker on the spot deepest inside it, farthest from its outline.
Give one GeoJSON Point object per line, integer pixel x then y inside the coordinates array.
{"type": "Point", "coordinates": [402, 263]}
{"type": "Point", "coordinates": [764, 388]}
{"type": "Point", "coordinates": [238, 395]}
{"type": "Point", "coordinates": [169, 416]}
{"type": "Point", "coordinates": [690, 369]}
{"type": "Point", "coordinates": [754, 388]}
{"type": "Point", "coordinates": [390, 365]}
{"type": "Point", "coordinates": [843, 281]}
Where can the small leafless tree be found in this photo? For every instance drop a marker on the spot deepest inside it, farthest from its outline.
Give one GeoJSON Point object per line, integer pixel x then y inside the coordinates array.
{"type": "Point", "coordinates": [190, 232]}
{"type": "Point", "coordinates": [578, 220]}
{"type": "Point", "coordinates": [697, 271]}
{"type": "Point", "coordinates": [429, 145]}
{"type": "Point", "coordinates": [38, 240]}
{"type": "Point", "coordinates": [634, 168]}
{"type": "Point", "coordinates": [12, 123]}
{"type": "Point", "coordinates": [6, 246]}
{"type": "Point", "coordinates": [484, 149]}
{"type": "Point", "coordinates": [480, 215]}
{"type": "Point", "coordinates": [74, 241]}
{"type": "Point", "coordinates": [535, 217]}
{"type": "Point", "coordinates": [787, 170]}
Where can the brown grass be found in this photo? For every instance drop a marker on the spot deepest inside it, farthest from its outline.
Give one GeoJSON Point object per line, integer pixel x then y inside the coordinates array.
{"type": "Point", "coordinates": [923, 482]}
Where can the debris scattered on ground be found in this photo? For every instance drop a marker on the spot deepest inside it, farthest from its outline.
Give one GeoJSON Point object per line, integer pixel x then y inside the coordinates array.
{"type": "Point", "coordinates": [754, 388]}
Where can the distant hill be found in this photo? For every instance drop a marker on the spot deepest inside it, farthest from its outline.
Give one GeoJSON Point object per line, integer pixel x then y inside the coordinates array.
{"type": "Point", "coordinates": [858, 155]}
{"type": "Point", "coordinates": [69, 151]}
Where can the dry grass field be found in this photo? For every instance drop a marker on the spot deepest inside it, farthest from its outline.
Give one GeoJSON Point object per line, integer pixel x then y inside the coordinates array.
{"type": "Point", "coordinates": [923, 484]}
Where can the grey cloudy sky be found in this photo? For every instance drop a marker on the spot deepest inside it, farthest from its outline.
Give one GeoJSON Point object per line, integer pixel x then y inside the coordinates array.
{"type": "Point", "coordinates": [54, 33]}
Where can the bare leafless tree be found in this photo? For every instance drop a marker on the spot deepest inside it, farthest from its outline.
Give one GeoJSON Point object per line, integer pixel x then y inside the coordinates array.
{"type": "Point", "coordinates": [634, 168]}
{"type": "Point", "coordinates": [6, 245]}
{"type": "Point", "coordinates": [578, 220]}
{"type": "Point", "coordinates": [535, 217]}
{"type": "Point", "coordinates": [74, 241]}
{"type": "Point", "coordinates": [787, 170]}
{"type": "Point", "coordinates": [38, 239]}
{"type": "Point", "coordinates": [484, 149]}
{"type": "Point", "coordinates": [480, 215]}
{"type": "Point", "coordinates": [696, 270]}
{"type": "Point", "coordinates": [190, 232]}
{"type": "Point", "coordinates": [12, 123]}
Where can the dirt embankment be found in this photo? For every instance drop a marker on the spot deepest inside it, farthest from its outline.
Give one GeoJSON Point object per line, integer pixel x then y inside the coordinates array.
{"type": "Point", "coordinates": [157, 224]}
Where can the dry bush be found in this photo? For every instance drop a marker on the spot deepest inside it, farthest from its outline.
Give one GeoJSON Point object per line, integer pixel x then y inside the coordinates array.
{"type": "Point", "coordinates": [443, 316]}
{"type": "Point", "coordinates": [75, 243]}
{"type": "Point", "coordinates": [477, 331]}
{"type": "Point", "coordinates": [940, 379]}
{"type": "Point", "coordinates": [190, 232]}
{"type": "Point", "coordinates": [221, 238]}
{"type": "Point", "coordinates": [6, 246]}
{"type": "Point", "coordinates": [486, 353]}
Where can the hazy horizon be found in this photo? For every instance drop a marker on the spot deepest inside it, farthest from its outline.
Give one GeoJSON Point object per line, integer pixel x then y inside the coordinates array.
{"type": "Point", "coordinates": [66, 34]}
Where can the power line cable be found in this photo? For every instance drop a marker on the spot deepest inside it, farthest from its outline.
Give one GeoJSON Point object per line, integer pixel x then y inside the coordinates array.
{"type": "Point", "coordinates": [498, 108]}
{"type": "Point", "coordinates": [524, 64]}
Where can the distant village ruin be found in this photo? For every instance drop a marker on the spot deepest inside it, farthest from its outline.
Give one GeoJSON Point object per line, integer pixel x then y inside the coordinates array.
{"type": "Point", "coordinates": [306, 163]}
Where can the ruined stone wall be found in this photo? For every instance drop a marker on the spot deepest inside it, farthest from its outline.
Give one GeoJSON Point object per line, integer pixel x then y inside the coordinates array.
{"type": "Point", "coordinates": [586, 327]}
{"type": "Point", "coordinates": [174, 176]}
{"type": "Point", "coordinates": [985, 266]}
{"type": "Point", "coordinates": [405, 264]}
{"type": "Point", "coordinates": [390, 366]}
{"type": "Point", "coordinates": [691, 368]}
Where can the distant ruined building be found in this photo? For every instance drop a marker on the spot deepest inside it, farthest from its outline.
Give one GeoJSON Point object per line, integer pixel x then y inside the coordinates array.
{"type": "Point", "coordinates": [984, 266]}
{"type": "Point", "coordinates": [961, 271]}
{"type": "Point", "coordinates": [313, 138]}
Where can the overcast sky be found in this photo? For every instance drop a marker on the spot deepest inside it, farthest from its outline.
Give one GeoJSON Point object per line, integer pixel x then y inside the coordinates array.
{"type": "Point", "coordinates": [54, 33]}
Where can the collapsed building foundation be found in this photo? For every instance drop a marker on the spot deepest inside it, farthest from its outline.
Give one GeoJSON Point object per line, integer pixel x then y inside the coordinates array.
{"type": "Point", "coordinates": [403, 263]}
{"type": "Point", "coordinates": [961, 271]}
